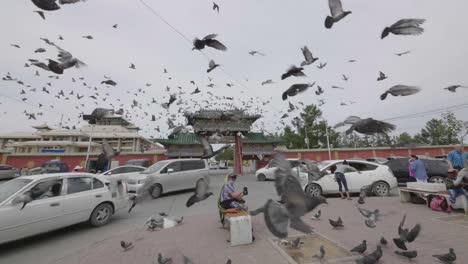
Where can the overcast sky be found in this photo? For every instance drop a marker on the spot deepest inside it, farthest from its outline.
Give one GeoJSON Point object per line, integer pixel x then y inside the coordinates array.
{"type": "Point", "coordinates": [276, 27]}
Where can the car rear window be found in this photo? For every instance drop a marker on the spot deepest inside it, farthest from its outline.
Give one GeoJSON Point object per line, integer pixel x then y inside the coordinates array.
{"type": "Point", "coordinates": [79, 184]}
{"type": "Point", "coordinates": [97, 184]}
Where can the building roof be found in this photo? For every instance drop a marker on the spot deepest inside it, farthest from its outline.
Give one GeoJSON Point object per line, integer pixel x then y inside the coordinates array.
{"type": "Point", "coordinates": [234, 114]}
{"type": "Point", "coordinates": [222, 121]}
{"type": "Point", "coordinates": [181, 139]}
{"type": "Point", "coordinates": [259, 138]}
{"type": "Point", "coordinates": [62, 133]}
{"type": "Point", "coordinates": [53, 143]}
{"type": "Point", "coordinates": [192, 139]}
{"type": "Point", "coordinates": [20, 135]}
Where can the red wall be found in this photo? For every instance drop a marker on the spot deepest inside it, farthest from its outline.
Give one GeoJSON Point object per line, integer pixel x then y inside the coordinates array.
{"type": "Point", "coordinates": [366, 153]}
{"type": "Point", "coordinates": [71, 161]}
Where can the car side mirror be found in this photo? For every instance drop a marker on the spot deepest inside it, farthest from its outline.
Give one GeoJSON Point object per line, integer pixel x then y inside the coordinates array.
{"type": "Point", "coordinates": [170, 170]}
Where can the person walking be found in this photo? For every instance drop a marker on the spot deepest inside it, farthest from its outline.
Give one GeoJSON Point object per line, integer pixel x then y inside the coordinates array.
{"type": "Point", "coordinates": [457, 159]}
{"type": "Point", "coordinates": [418, 168]}
{"type": "Point", "coordinates": [339, 171]}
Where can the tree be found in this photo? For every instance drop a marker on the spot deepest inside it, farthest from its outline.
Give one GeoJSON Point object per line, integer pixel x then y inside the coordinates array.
{"type": "Point", "coordinates": [310, 120]}
{"type": "Point", "coordinates": [444, 131]}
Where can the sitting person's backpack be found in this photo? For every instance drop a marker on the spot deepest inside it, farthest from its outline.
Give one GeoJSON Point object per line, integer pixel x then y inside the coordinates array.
{"type": "Point", "coordinates": [439, 203]}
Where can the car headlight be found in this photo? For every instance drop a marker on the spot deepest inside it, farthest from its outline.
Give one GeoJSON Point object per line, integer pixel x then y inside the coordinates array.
{"type": "Point", "coordinates": [141, 181]}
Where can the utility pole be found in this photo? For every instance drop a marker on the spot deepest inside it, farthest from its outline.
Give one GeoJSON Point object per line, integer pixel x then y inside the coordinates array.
{"type": "Point", "coordinates": [306, 136]}
{"type": "Point", "coordinates": [61, 120]}
{"type": "Point", "coordinates": [328, 142]}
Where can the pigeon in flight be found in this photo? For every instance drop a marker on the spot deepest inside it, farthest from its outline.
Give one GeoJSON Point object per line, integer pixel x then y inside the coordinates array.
{"type": "Point", "coordinates": [278, 216]}
{"type": "Point", "coordinates": [109, 82]}
{"type": "Point", "coordinates": [212, 65]}
{"type": "Point", "coordinates": [369, 126]}
{"type": "Point", "coordinates": [88, 37]}
{"type": "Point", "coordinates": [39, 50]}
{"type": "Point", "coordinates": [210, 41]}
{"type": "Point", "coordinates": [47, 5]}
{"type": "Point", "coordinates": [407, 254]}
{"type": "Point", "coordinates": [65, 61]}
{"type": "Point", "coordinates": [195, 91]}
{"type": "Point", "coordinates": [132, 66]}
{"type": "Point", "coordinates": [293, 71]}
{"type": "Point", "coordinates": [409, 26]}
{"type": "Point", "coordinates": [126, 245]}
{"type": "Point", "coordinates": [41, 14]}
{"type": "Point", "coordinates": [201, 193]}
{"type": "Point", "coordinates": [295, 89]}
{"type": "Point", "coordinates": [447, 258]}
{"type": "Point", "coordinates": [453, 88]}
{"type": "Point", "coordinates": [337, 13]}
{"type": "Point", "coordinates": [172, 99]}
{"type": "Point", "coordinates": [309, 59]}
{"type": "Point", "coordinates": [361, 248]}
{"type": "Point", "coordinates": [406, 235]}
{"type": "Point", "coordinates": [400, 90]}
{"type": "Point", "coordinates": [269, 81]}
{"type": "Point", "coordinates": [321, 65]}
{"type": "Point", "coordinates": [216, 7]}
{"type": "Point", "coordinates": [402, 53]}
{"type": "Point", "coordinates": [254, 52]}
{"type": "Point", "coordinates": [345, 78]}
{"type": "Point", "coordinates": [319, 90]}
{"type": "Point", "coordinates": [15, 45]}
{"type": "Point", "coordinates": [382, 76]}
{"type": "Point", "coordinates": [337, 87]}
{"type": "Point", "coordinates": [115, 25]}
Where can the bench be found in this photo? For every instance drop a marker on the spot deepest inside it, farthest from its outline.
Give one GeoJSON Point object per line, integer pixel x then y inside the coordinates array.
{"type": "Point", "coordinates": [460, 203]}
{"type": "Point", "coordinates": [240, 226]}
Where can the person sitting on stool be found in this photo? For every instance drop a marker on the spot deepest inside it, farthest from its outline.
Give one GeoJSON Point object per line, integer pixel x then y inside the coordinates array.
{"type": "Point", "coordinates": [230, 198]}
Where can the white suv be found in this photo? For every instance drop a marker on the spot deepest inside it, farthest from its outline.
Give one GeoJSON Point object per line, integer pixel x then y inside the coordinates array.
{"type": "Point", "coordinates": [268, 172]}
{"type": "Point", "coordinates": [168, 176]}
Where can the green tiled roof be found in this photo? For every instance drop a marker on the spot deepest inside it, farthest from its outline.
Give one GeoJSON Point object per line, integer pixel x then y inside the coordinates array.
{"type": "Point", "coordinates": [181, 139]}
{"type": "Point", "coordinates": [259, 138]}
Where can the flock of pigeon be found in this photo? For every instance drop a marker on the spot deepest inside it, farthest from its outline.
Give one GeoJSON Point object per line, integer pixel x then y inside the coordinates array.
{"type": "Point", "coordinates": [136, 109]}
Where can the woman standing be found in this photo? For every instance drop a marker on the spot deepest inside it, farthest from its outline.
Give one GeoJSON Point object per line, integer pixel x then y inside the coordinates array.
{"type": "Point", "coordinates": [418, 169]}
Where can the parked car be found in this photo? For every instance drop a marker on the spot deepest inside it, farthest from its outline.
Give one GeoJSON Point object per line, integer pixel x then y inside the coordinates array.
{"type": "Point", "coordinates": [124, 170]}
{"type": "Point", "coordinates": [58, 200]}
{"type": "Point", "coordinates": [378, 176]}
{"type": "Point", "coordinates": [54, 166]}
{"type": "Point", "coordinates": [139, 162]}
{"type": "Point", "coordinates": [436, 169]}
{"type": "Point", "coordinates": [213, 166]}
{"type": "Point", "coordinates": [267, 172]}
{"type": "Point", "coordinates": [379, 160]}
{"type": "Point", "coordinates": [7, 172]}
{"type": "Point", "coordinates": [223, 165]}
{"type": "Point", "coordinates": [169, 176]}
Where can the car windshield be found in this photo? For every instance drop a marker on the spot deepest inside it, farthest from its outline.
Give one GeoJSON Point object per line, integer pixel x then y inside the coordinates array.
{"type": "Point", "coordinates": [155, 167]}
{"type": "Point", "coordinates": [11, 187]}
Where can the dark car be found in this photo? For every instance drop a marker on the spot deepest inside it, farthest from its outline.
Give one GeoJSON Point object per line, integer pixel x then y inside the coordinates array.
{"type": "Point", "coordinates": [54, 166]}
{"type": "Point", "coordinates": [436, 169]}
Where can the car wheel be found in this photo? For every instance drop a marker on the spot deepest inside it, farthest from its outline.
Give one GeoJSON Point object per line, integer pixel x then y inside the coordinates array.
{"type": "Point", "coordinates": [437, 179]}
{"type": "Point", "coordinates": [156, 191]}
{"type": "Point", "coordinates": [313, 189]}
{"type": "Point", "coordinates": [101, 215]}
{"type": "Point", "coordinates": [261, 177]}
{"type": "Point", "coordinates": [381, 189]}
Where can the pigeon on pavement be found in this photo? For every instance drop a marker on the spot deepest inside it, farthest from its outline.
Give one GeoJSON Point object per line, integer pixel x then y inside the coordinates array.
{"type": "Point", "coordinates": [383, 241]}
{"type": "Point", "coordinates": [321, 253]}
{"type": "Point", "coordinates": [337, 13]}
{"type": "Point", "coordinates": [369, 259]}
{"type": "Point", "coordinates": [447, 258]}
{"type": "Point", "coordinates": [409, 26]}
{"type": "Point", "coordinates": [126, 245]}
{"type": "Point", "coordinates": [408, 254]}
{"type": "Point", "coordinates": [377, 254]}
{"type": "Point", "coordinates": [163, 260]}
{"type": "Point", "coordinates": [361, 248]}
{"type": "Point", "coordinates": [317, 215]}
{"type": "Point", "coordinates": [336, 224]}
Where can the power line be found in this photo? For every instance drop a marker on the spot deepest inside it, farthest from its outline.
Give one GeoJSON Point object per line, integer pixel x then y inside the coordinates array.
{"type": "Point", "coordinates": [434, 111]}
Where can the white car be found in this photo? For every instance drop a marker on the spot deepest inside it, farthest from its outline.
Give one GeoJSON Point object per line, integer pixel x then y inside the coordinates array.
{"type": "Point", "coordinates": [169, 176]}
{"type": "Point", "coordinates": [268, 172]}
{"type": "Point", "coordinates": [121, 170]}
{"type": "Point", "coordinates": [378, 176]}
{"type": "Point", "coordinates": [56, 201]}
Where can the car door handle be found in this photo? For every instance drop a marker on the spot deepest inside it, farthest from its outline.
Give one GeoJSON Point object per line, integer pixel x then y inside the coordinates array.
{"type": "Point", "coordinates": [98, 195]}
{"type": "Point", "coordinates": [54, 204]}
